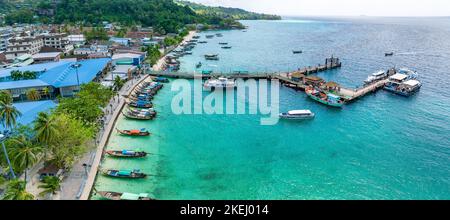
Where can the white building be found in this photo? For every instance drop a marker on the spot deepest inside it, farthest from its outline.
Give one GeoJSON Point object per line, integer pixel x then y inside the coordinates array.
{"type": "Point", "coordinates": [77, 39]}
{"type": "Point", "coordinates": [22, 45]}
{"type": "Point", "coordinates": [5, 35]}
{"type": "Point", "coordinates": [58, 41]}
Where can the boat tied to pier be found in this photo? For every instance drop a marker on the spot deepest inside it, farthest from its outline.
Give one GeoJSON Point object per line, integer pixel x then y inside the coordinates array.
{"type": "Point", "coordinates": [124, 196]}
{"type": "Point", "coordinates": [324, 98]}
{"type": "Point", "coordinates": [403, 83]}
{"type": "Point", "coordinates": [297, 115]}
{"type": "Point", "coordinates": [126, 153]}
{"type": "Point", "coordinates": [375, 77]}
{"type": "Point", "coordinates": [142, 132]}
{"type": "Point", "coordinates": [126, 174]}
{"type": "Point", "coordinates": [220, 82]}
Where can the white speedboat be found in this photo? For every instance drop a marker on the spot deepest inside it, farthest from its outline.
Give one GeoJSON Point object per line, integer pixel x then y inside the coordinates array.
{"type": "Point", "coordinates": [221, 82]}
{"type": "Point", "coordinates": [297, 114]}
{"type": "Point", "coordinates": [375, 77]}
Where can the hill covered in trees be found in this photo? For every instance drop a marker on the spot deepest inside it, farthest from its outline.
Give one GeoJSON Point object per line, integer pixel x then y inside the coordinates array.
{"type": "Point", "coordinates": [164, 15]}
{"type": "Point", "coordinates": [225, 12]}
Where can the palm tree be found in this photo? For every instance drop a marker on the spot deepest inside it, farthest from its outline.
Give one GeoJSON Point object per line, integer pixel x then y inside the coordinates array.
{"type": "Point", "coordinates": [51, 185]}
{"type": "Point", "coordinates": [45, 127]}
{"type": "Point", "coordinates": [118, 83]}
{"type": "Point", "coordinates": [8, 114]}
{"type": "Point", "coordinates": [46, 92]}
{"type": "Point", "coordinates": [25, 153]}
{"type": "Point", "coordinates": [33, 95]}
{"type": "Point", "coordinates": [16, 191]}
{"type": "Point", "coordinates": [5, 96]}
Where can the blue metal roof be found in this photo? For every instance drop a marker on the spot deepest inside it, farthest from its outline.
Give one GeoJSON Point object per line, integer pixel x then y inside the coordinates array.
{"type": "Point", "coordinates": [35, 68]}
{"type": "Point", "coordinates": [66, 75]}
{"type": "Point", "coordinates": [30, 111]}
{"type": "Point", "coordinates": [23, 84]}
{"type": "Point", "coordinates": [59, 74]}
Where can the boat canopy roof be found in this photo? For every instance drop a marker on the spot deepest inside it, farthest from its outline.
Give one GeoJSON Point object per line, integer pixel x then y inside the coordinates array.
{"type": "Point", "coordinates": [299, 112]}
{"type": "Point", "coordinates": [398, 77]}
{"type": "Point", "coordinates": [333, 96]}
{"type": "Point", "coordinates": [124, 173]}
{"type": "Point", "coordinates": [379, 73]}
{"type": "Point", "coordinates": [412, 83]}
{"type": "Point", "coordinates": [129, 196]}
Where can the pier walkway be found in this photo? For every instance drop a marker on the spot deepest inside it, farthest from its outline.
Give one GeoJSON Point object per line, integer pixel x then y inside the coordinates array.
{"type": "Point", "coordinates": [294, 79]}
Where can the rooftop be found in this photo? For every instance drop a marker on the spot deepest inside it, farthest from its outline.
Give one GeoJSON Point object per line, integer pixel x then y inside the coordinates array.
{"type": "Point", "coordinates": [30, 110]}
{"type": "Point", "coordinates": [57, 74]}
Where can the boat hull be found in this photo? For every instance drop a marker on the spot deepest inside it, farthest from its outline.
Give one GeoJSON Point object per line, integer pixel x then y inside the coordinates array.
{"type": "Point", "coordinates": [337, 105]}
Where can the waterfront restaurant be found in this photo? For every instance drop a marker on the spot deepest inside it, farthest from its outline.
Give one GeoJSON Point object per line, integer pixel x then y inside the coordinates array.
{"type": "Point", "coordinates": [58, 78]}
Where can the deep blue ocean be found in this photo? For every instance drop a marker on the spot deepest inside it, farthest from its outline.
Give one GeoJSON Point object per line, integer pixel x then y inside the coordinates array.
{"type": "Point", "coordinates": [382, 146]}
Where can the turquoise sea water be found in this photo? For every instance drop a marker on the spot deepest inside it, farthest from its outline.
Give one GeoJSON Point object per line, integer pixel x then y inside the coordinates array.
{"type": "Point", "coordinates": [380, 147]}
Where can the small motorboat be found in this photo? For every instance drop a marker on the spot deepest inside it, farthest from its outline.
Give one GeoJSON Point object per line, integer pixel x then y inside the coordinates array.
{"type": "Point", "coordinates": [123, 196]}
{"type": "Point", "coordinates": [223, 43]}
{"type": "Point", "coordinates": [212, 56]}
{"type": "Point", "coordinates": [221, 82]}
{"type": "Point", "coordinates": [142, 132]}
{"type": "Point", "coordinates": [129, 174]}
{"type": "Point", "coordinates": [389, 54]}
{"type": "Point", "coordinates": [375, 77]}
{"type": "Point", "coordinates": [126, 153]}
{"type": "Point", "coordinates": [297, 115]}
{"type": "Point", "coordinates": [297, 51]}
{"type": "Point", "coordinates": [226, 47]}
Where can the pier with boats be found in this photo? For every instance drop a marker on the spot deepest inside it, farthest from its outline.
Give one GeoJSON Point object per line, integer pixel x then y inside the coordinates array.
{"type": "Point", "coordinates": [398, 81]}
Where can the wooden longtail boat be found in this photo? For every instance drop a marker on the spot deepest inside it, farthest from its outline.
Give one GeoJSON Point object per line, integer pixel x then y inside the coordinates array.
{"type": "Point", "coordinates": [123, 196]}
{"type": "Point", "coordinates": [140, 105]}
{"type": "Point", "coordinates": [131, 115]}
{"type": "Point", "coordinates": [151, 112]}
{"type": "Point", "coordinates": [324, 98]}
{"type": "Point", "coordinates": [134, 132]}
{"type": "Point", "coordinates": [133, 174]}
{"type": "Point", "coordinates": [126, 153]}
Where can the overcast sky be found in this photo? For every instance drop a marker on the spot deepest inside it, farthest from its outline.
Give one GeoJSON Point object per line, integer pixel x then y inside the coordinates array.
{"type": "Point", "coordinates": [340, 7]}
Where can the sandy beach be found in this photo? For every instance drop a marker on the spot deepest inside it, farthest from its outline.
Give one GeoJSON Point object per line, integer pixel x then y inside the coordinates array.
{"type": "Point", "coordinates": [161, 62]}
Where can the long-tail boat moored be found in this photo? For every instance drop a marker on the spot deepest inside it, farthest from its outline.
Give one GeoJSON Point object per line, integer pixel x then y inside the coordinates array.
{"type": "Point", "coordinates": [139, 116]}
{"type": "Point", "coordinates": [126, 153]}
{"type": "Point", "coordinates": [161, 80]}
{"type": "Point", "coordinates": [297, 51]}
{"type": "Point", "coordinates": [135, 132]}
{"type": "Point", "coordinates": [123, 196]}
{"type": "Point", "coordinates": [226, 47]}
{"type": "Point", "coordinates": [150, 112]}
{"type": "Point", "coordinates": [324, 98]}
{"type": "Point", "coordinates": [129, 174]}
{"type": "Point", "coordinates": [140, 104]}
